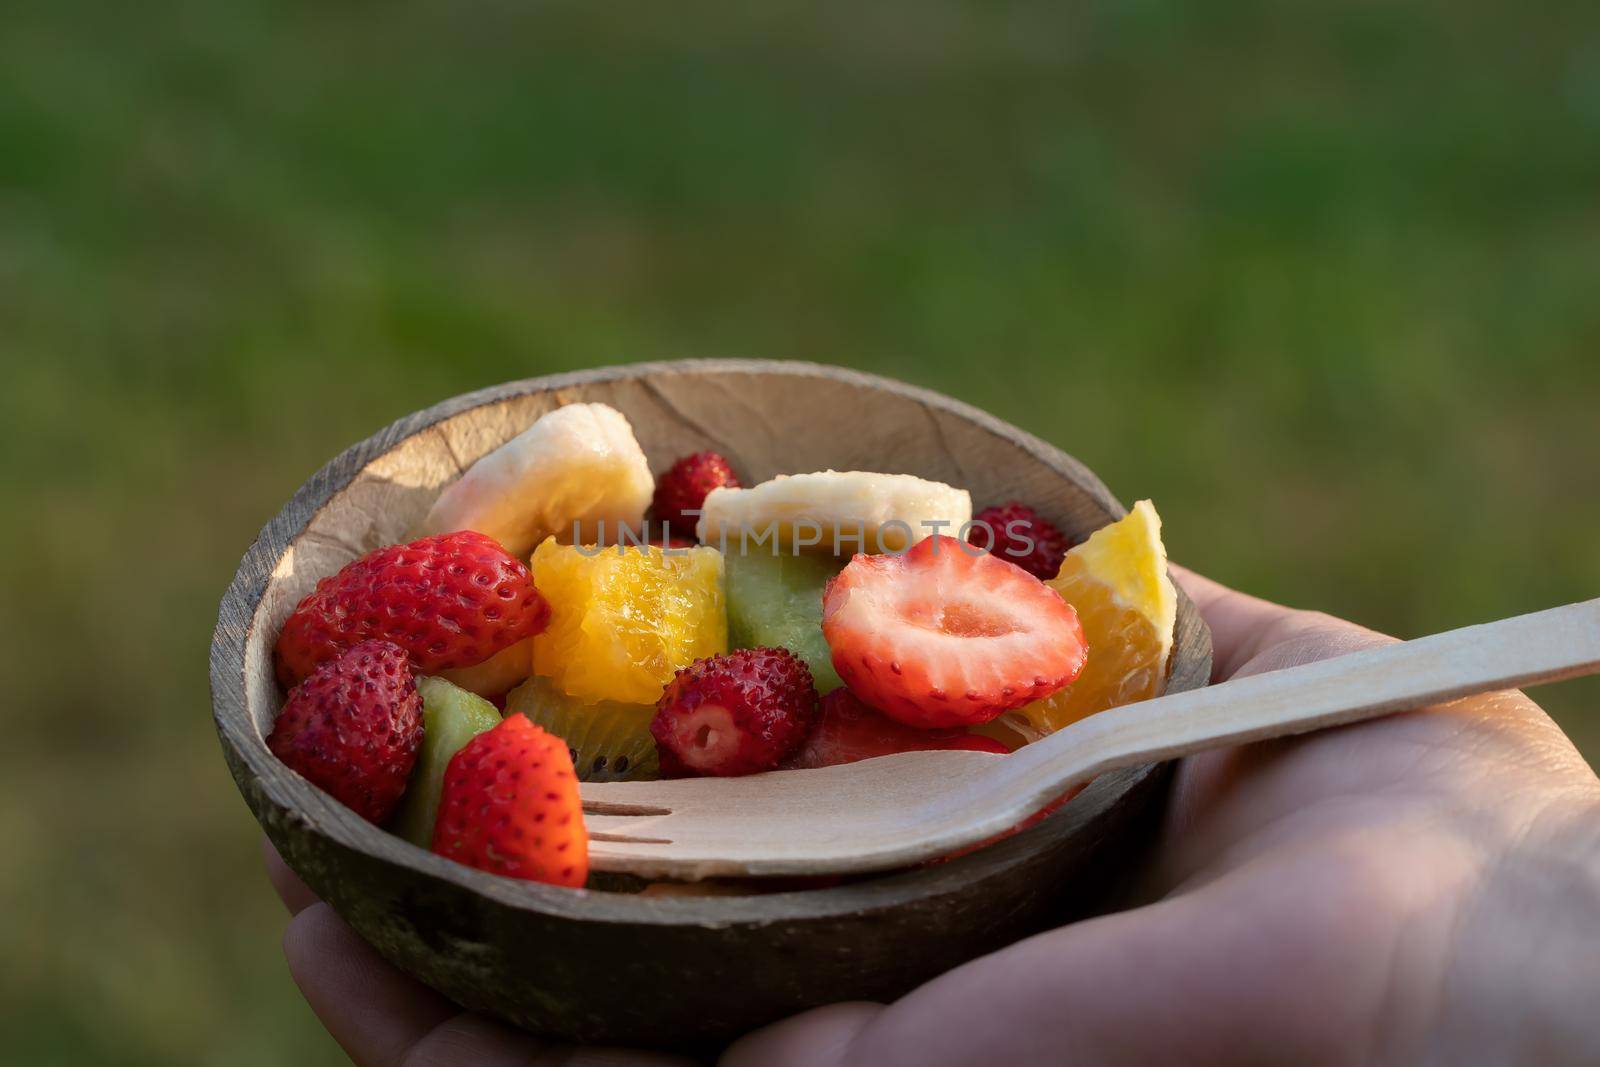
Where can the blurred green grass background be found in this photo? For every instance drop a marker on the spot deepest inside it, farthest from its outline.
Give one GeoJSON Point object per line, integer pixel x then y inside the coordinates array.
{"type": "Point", "coordinates": [1320, 278]}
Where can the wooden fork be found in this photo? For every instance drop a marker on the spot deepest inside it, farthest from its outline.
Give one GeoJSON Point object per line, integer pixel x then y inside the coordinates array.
{"type": "Point", "coordinates": [899, 810]}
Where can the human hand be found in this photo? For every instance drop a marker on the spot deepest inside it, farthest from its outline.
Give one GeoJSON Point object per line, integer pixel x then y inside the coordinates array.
{"type": "Point", "coordinates": [1422, 888]}
{"type": "Point", "coordinates": [1418, 889]}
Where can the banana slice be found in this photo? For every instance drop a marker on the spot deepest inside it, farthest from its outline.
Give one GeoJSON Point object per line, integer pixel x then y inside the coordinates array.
{"type": "Point", "coordinates": [833, 511]}
{"type": "Point", "coordinates": [497, 675]}
{"type": "Point", "coordinates": [575, 467]}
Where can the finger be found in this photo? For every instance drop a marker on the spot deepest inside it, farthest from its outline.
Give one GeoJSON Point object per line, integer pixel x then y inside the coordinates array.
{"type": "Point", "coordinates": [373, 1011]}
{"type": "Point", "coordinates": [295, 894]}
{"type": "Point", "coordinates": [379, 1016]}
{"type": "Point", "coordinates": [1242, 626]}
{"type": "Point", "coordinates": [586, 1056]}
{"type": "Point", "coordinates": [468, 1040]}
{"type": "Point", "coordinates": [823, 1036]}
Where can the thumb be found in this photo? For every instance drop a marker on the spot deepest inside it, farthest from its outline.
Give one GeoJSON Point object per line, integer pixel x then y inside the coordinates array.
{"type": "Point", "coordinates": [1250, 635]}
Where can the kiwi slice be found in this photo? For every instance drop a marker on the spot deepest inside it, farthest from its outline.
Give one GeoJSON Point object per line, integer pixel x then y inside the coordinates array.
{"type": "Point", "coordinates": [609, 741]}
{"type": "Point", "coordinates": [775, 601]}
{"type": "Point", "coordinates": [451, 717]}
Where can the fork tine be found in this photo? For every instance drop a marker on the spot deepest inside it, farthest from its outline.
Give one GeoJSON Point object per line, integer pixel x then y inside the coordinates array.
{"type": "Point", "coordinates": [626, 798]}
{"type": "Point", "coordinates": [605, 807]}
{"type": "Point", "coordinates": [625, 827]}
{"type": "Point", "coordinates": [628, 839]}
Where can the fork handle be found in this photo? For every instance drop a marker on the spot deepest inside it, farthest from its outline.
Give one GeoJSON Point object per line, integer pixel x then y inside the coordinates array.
{"type": "Point", "coordinates": [1545, 646]}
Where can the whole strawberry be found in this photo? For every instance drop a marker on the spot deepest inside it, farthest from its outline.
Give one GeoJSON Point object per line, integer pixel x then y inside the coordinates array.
{"type": "Point", "coordinates": [510, 805]}
{"type": "Point", "coordinates": [1017, 534]}
{"type": "Point", "coordinates": [452, 600]}
{"type": "Point", "coordinates": [738, 713]}
{"type": "Point", "coordinates": [353, 728]}
{"type": "Point", "coordinates": [684, 487]}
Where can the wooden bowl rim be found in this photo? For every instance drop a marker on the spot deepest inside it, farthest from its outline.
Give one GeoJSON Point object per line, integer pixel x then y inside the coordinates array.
{"type": "Point", "coordinates": [321, 814]}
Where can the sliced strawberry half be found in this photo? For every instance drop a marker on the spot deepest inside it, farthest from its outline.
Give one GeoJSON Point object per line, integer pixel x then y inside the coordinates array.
{"type": "Point", "coordinates": [848, 731]}
{"type": "Point", "coordinates": [947, 635]}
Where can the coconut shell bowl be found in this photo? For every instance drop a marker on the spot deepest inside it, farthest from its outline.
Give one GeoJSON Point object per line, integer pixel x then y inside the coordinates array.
{"type": "Point", "coordinates": [612, 963]}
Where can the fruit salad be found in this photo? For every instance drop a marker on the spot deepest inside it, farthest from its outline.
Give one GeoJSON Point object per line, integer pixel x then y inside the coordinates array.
{"type": "Point", "coordinates": [564, 617]}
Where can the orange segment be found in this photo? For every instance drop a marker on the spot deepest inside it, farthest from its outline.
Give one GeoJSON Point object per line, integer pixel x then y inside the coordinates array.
{"type": "Point", "coordinates": [1118, 581]}
{"type": "Point", "coordinates": [623, 620]}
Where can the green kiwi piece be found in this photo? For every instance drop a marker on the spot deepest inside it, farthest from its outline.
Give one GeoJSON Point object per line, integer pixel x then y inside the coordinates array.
{"type": "Point", "coordinates": [609, 741]}
{"type": "Point", "coordinates": [775, 601]}
{"type": "Point", "coordinates": [451, 717]}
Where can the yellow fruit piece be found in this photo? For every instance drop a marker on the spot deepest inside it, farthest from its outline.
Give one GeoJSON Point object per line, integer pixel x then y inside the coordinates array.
{"type": "Point", "coordinates": [624, 620]}
{"type": "Point", "coordinates": [1117, 580]}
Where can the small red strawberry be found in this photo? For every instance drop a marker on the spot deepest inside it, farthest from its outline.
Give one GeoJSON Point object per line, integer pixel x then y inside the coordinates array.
{"type": "Point", "coordinates": [684, 487]}
{"type": "Point", "coordinates": [847, 730]}
{"type": "Point", "coordinates": [737, 713]}
{"type": "Point", "coordinates": [452, 600]}
{"type": "Point", "coordinates": [353, 728]}
{"type": "Point", "coordinates": [948, 635]}
{"type": "Point", "coordinates": [1017, 534]}
{"type": "Point", "coordinates": [510, 805]}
